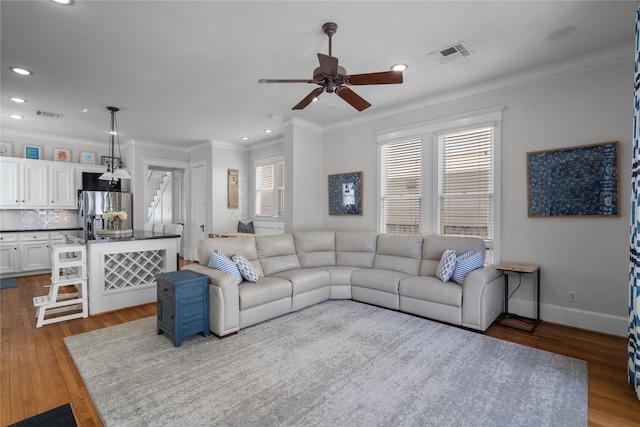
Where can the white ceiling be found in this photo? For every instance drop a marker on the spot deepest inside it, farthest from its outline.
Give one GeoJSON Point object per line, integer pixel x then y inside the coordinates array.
{"type": "Point", "coordinates": [184, 72]}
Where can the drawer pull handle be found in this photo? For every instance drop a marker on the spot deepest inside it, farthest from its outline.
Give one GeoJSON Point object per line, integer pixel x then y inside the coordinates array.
{"type": "Point", "coordinates": [165, 289]}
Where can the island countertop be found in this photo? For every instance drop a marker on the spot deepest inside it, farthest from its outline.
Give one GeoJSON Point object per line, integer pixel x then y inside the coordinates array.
{"type": "Point", "coordinates": [136, 235]}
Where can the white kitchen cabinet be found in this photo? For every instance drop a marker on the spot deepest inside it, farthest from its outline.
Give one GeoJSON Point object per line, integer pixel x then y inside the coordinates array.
{"type": "Point", "coordinates": [9, 253]}
{"type": "Point", "coordinates": [37, 184]}
{"type": "Point", "coordinates": [62, 187]}
{"type": "Point", "coordinates": [34, 187]}
{"type": "Point", "coordinates": [9, 176]}
{"type": "Point", "coordinates": [34, 251]}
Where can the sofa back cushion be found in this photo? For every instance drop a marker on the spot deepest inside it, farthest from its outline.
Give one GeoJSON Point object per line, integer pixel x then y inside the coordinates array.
{"type": "Point", "coordinates": [277, 253]}
{"type": "Point", "coordinates": [399, 253]}
{"type": "Point", "coordinates": [434, 246]}
{"type": "Point", "coordinates": [315, 248]}
{"type": "Point", "coordinates": [355, 248]}
{"type": "Point", "coordinates": [245, 246]}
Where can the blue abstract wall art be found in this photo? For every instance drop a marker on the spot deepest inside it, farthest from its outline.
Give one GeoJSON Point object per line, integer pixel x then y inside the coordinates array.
{"type": "Point", "coordinates": [574, 181]}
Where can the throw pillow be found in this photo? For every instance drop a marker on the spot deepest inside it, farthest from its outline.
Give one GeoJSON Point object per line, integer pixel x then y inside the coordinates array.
{"type": "Point", "coordinates": [246, 228]}
{"type": "Point", "coordinates": [466, 266]}
{"type": "Point", "coordinates": [220, 261]}
{"type": "Point", "coordinates": [446, 265]}
{"type": "Point", "coordinates": [246, 269]}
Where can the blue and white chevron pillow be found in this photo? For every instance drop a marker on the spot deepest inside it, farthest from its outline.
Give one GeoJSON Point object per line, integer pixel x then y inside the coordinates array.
{"type": "Point", "coordinates": [220, 261]}
{"type": "Point", "coordinates": [246, 269]}
{"type": "Point", "coordinates": [465, 264]}
{"type": "Point", "coordinates": [447, 265]}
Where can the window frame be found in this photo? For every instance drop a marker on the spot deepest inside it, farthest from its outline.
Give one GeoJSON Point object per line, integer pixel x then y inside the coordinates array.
{"type": "Point", "coordinates": [429, 132]}
{"type": "Point", "coordinates": [278, 187]}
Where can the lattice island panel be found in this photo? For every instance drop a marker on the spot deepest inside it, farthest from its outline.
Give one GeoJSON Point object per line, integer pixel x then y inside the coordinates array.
{"type": "Point", "coordinates": [132, 269]}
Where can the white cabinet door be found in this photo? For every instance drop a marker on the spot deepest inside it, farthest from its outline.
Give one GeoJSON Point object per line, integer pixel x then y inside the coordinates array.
{"type": "Point", "coordinates": [9, 253]}
{"type": "Point", "coordinates": [62, 187]}
{"type": "Point", "coordinates": [34, 256]}
{"type": "Point", "coordinates": [9, 176]}
{"type": "Point", "coordinates": [34, 186]}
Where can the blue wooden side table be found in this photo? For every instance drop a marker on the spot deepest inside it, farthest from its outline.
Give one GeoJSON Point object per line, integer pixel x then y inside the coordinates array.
{"type": "Point", "coordinates": [183, 304]}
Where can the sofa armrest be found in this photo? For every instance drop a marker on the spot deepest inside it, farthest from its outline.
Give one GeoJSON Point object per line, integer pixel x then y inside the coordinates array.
{"type": "Point", "coordinates": [224, 300]}
{"type": "Point", "coordinates": [482, 297]}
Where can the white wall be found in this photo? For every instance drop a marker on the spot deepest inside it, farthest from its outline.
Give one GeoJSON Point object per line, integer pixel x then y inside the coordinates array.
{"type": "Point", "coordinates": [222, 218]}
{"type": "Point", "coordinates": [587, 255]}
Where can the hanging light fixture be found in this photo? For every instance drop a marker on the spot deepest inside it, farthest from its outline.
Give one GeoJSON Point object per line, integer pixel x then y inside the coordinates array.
{"type": "Point", "coordinates": [113, 174]}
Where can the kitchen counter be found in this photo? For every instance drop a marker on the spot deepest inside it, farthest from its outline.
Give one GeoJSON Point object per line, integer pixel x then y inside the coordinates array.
{"type": "Point", "coordinates": [137, 235]}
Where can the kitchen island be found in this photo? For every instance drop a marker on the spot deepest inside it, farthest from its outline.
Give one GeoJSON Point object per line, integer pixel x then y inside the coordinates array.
{"type": "Point", "coordinates": [122, 270]}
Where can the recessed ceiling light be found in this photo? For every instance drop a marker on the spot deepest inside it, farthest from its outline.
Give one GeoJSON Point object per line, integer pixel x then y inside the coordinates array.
{"type": "Point", "coordinates": [21, 71]}
{"type": "Point", "coordinates": [268, 130]}
{"type": "Point", "coordinates": [559, 33]}
{"type": "Point", "coordinates": [16, 116]}
{"type": "Point", "coordinates": [399, 67]}
{"type": "Point", "coordinates": [18, 100]}
{"type": "Point", "coordinates": [64, 2]}
{"type": "Point", "coordinates": [245, 138]}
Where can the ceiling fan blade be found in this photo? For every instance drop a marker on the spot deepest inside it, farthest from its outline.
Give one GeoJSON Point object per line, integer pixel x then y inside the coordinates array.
{"type": "Point", "coordinates": [381, 78]}
{"type": "Point", "coordinates": [308, 99]}
{"type": "Point", "coordinates": [328, 64]}
{"type": "Point", "coordinates": [353, 98]}
{"type": "Point", "coordinates": [285, 81]}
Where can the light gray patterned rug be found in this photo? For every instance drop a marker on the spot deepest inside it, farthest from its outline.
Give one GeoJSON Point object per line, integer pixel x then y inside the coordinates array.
{"type": "Point", "coordinates": [339, 363]}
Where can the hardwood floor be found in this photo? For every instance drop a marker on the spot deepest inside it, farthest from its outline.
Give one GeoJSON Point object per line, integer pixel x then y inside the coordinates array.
{"type": "Point", "coordinates": [38, 374]}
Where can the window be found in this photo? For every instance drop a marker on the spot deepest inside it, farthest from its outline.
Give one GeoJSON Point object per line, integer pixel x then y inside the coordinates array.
{"type": "Point", "coordinates": [270, 188]}
{"type": "Point", "coordinates": [401, 187]}
{"type": "Point", "coordinates": [465, 183]}
{"type": "Point", "coordinates": [442, 177]}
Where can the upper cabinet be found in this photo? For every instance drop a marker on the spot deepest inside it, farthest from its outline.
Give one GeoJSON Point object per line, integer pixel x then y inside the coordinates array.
{"type": "Point", "coordinates": [37, 184]}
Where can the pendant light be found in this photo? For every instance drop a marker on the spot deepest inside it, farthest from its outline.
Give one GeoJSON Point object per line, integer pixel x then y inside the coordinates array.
{"type": "Point", "coordinates": [114, 174]}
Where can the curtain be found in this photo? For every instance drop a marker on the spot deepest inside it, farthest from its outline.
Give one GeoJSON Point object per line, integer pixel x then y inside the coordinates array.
{"type": "Point", "coordinates": [634, 265]}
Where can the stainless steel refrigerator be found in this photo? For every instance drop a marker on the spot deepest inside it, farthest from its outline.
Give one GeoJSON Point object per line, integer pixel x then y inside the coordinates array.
{"type": "Point", "coordinates": [93, 205]}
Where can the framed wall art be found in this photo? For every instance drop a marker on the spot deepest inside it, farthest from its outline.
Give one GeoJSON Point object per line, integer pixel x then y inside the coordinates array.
{"type": "Point", "coordinates": [32, 151]}
{"type": "Point", "coordinates": [6, 148]}
{"type": "Point", "coordinates": [61, 155]}
{"type": "Point", "coordinates": [232, 188]}
{"type": "Point", "coordinates": [574, 181]}
{"type": "Point", "coordinates": [87, 158]}
{"type": "Point", "coordinates": [345, 194]}
{"type": "Point", "coordinates": [106, 161]}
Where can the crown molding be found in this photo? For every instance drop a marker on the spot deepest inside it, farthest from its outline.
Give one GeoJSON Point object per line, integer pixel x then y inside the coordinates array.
{"type": "Point", "coordinates": [601, 58]}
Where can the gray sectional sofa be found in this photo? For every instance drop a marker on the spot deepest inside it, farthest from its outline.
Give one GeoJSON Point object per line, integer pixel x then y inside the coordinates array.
{"type": "Point", "coordinates": [300, 269]}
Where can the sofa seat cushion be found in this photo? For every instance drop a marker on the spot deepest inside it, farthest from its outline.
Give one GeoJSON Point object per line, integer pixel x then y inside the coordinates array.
{"type": "Point", "coordinates": [340, 275]}
{"type": "Point", "coordinates": [431, 289]}
{"type": "Point", "coordinates": [267, 289]}
{"type": "Point", "coordinates": [304, 280]}
{"type": "Point", "coordinates": [380, 280]}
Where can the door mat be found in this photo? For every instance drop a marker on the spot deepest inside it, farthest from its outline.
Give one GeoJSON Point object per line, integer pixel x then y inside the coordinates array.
{"type": "Point", "coordinates": [62, 416]}
{"type": "Point", "coordinates": [9, 282]}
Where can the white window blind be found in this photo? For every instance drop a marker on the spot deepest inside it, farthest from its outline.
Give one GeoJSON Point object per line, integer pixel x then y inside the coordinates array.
{"type": "Point", "coordinates": [270, 189]}
{"type": "Point", "coordinates": [465, 183]}
{"type": "Point", "coordinates": [400, 187]}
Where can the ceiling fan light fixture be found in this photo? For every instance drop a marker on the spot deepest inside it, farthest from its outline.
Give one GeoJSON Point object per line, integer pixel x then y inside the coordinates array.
{"type": "Point", "coordinates": [399, 67]}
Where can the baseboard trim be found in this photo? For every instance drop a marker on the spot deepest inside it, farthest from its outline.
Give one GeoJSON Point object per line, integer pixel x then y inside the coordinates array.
{"type": "Point", "coordinates": [583, 319]}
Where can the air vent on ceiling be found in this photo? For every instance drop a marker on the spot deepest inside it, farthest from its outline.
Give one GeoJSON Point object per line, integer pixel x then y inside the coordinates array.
{"type": "Point", "coordinates": [50, 115]}
{"type": "Point", "coordinates": [451, 53]}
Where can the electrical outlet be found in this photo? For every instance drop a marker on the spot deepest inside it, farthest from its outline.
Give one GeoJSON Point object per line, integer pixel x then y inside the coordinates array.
{"type": "Point", "coordinates": [573, 296]}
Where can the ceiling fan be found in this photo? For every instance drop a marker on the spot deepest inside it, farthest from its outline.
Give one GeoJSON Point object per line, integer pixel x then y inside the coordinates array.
{"type": "Point", "coordinates": [333, 78]}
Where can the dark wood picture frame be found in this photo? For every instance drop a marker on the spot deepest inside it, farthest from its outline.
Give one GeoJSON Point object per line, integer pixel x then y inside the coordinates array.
{"type": "Point", "coordinates": [345, 194]}
{"type": "Point", "coordinates": [574, 181]}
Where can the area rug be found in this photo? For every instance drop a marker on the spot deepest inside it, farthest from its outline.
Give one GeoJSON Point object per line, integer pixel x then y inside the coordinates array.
{"type": "Point", "coordinates": [62, 416]}
{"type": "Point", "coordinates": [338, 363]}
{"type": "Point", "coordinates": [9, 282]}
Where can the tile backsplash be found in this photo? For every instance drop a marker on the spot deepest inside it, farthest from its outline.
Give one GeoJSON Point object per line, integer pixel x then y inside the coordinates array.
{"type": "Point", "coordinates": [30, 219]}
